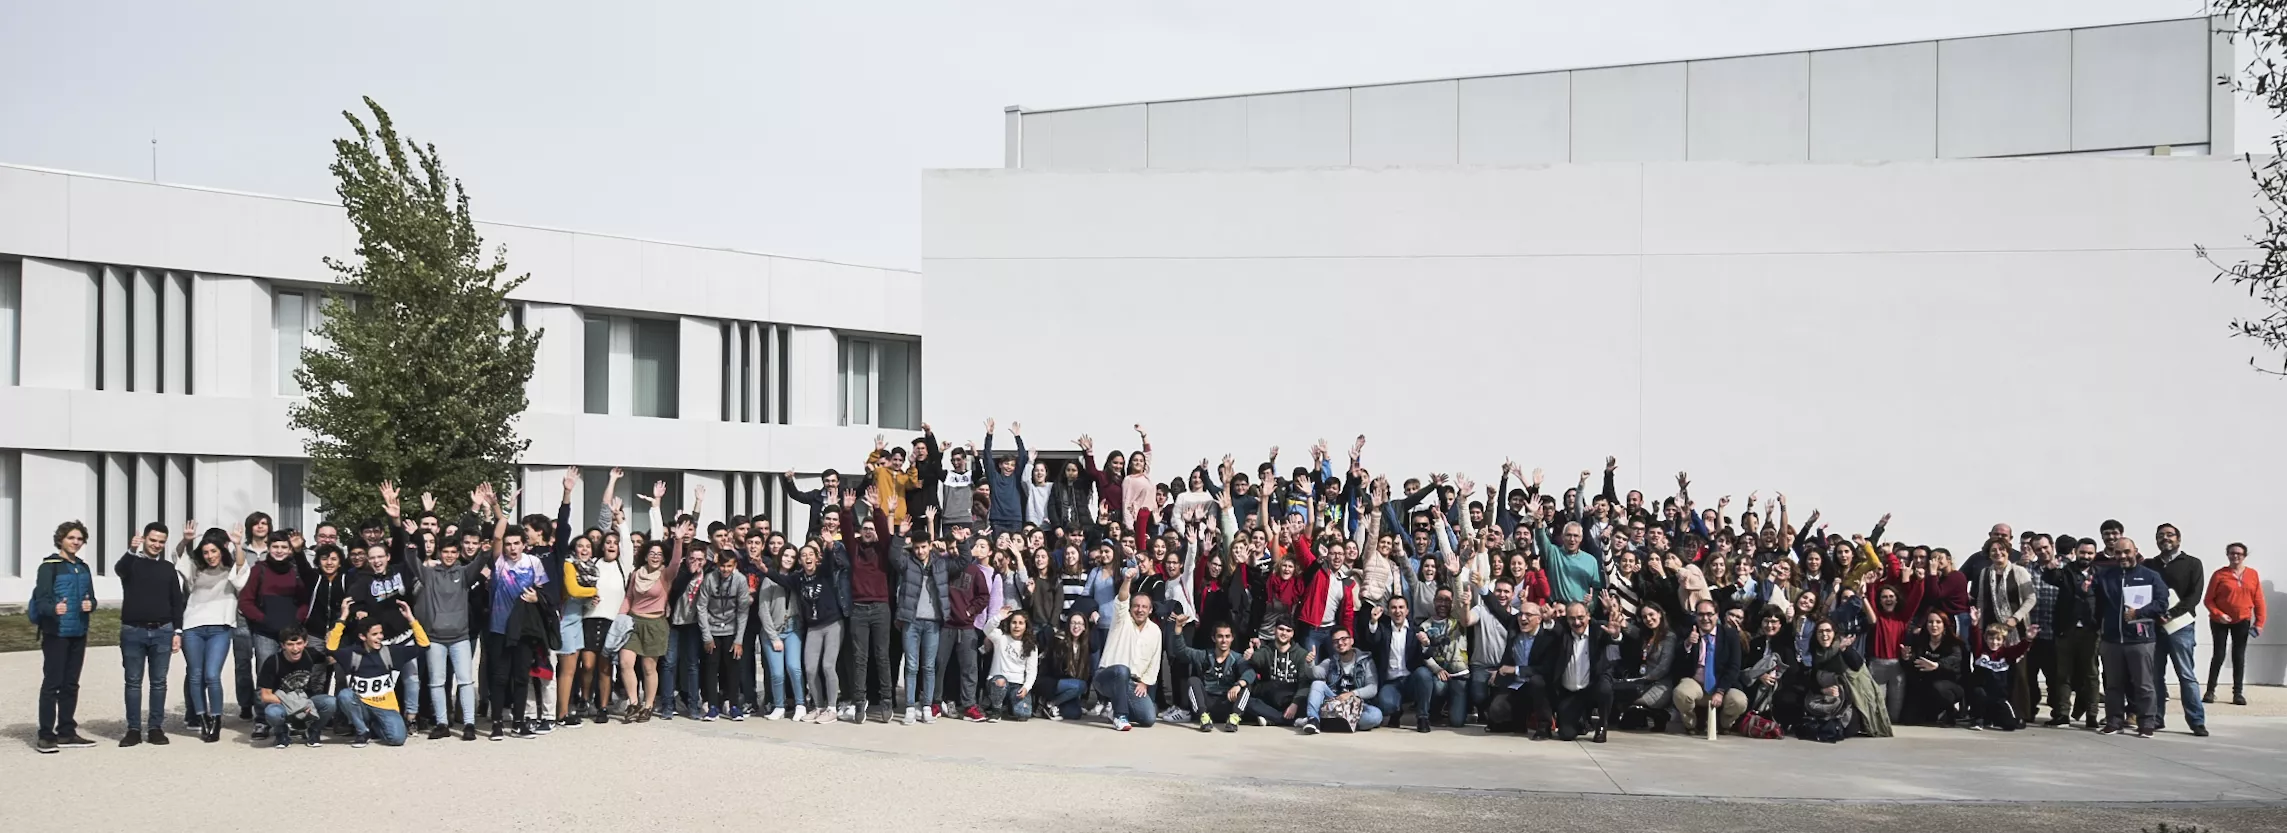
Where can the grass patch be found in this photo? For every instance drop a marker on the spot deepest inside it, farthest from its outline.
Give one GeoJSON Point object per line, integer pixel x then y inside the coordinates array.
{"type": "Point", "coordinates": [17, 633]}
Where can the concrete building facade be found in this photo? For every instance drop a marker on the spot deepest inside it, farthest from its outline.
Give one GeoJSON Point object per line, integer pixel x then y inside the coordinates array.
{"type": "Point", "coordinates": [148, 335]}
{"type": "Point", "coordinates": [1725, 267]}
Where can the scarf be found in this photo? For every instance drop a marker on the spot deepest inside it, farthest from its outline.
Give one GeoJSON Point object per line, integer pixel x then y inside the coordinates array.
{"type": "Point", "coordinates": [644, 579]}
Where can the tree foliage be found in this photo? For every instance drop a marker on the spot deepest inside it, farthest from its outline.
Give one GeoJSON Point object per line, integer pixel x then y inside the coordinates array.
{"type": "Point", "coordinates": [2261, 25]}
{"type": "Point", "coordinates": [420, 381]}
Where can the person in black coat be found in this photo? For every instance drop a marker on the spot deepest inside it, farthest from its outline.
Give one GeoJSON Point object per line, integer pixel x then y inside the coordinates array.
{"type": "Point", "coordinates": [1935, 661]}
{"type": "Point", "coordinates": [1578, 642]}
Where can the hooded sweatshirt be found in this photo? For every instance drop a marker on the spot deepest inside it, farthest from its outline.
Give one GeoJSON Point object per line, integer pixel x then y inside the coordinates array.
{"type": "Point", "coordinates": [441, 601]}
{"type": "Point", "coordinates": [958, 503]}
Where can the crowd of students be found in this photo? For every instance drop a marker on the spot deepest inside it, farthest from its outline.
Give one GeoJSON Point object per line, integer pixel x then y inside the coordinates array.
{"type": "Point", "coordinates": [972, 584]}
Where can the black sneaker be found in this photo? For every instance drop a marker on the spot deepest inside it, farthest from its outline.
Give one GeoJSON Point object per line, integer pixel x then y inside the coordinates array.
{"type": "Point", "coordinates": [540, 727]}
{"type": "Point", "coordinates": [354, 743]}
{"type": "Point", "coordinates": [313, 739]}
{"type": "Point", "coordinates": [495, 730]}
{"type": "Point", "coordinates": [2199, 730]}
{"type": "Point", "coordinates": [134, 737]}
{"type": "Point", "coordinates": [46, 746]}
{"type": "Point", "coordinates": [441, 732]}
{"type": "Point", "coordinates": [2110, 729]}
{"type": "Point", "coordinates": [2145, 731]}
{"type": "Point", "coordinates": [572, 719]}
{"type": "Point", "coordinates": [72, 740]}
{"type": "Point", "coordinates": [156, 738]}
{"type": "Point", "coordinates": [1227, 726]}
{"type": "Point", "coordinates": [262, 731]}
{"type": "Point", "coordinates": [468, 731]}
{"type": "Point", "coordinates": [2056, 720]}
{"type": "Point", "coordinates": [524, 730]}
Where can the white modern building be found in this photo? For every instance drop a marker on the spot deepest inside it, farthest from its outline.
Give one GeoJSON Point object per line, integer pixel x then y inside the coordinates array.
{"type": "Point", "coordinates": [1905, 278]}
{"type": "Point", "coordinates": [149, 333]}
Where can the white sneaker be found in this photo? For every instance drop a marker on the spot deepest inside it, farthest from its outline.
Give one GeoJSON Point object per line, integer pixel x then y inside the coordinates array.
{"type": "Point", "coordinates": [776, 714]}
{"type": "Point", "coordinates": [908, 718]}
{"type": "Point", "coordinates": [800, 714]}
{"type": "Point", "coordinates": [928, 716]}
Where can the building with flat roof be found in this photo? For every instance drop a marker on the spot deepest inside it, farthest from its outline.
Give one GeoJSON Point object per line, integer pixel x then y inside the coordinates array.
{"type": "Point", "coordinates": [149, 334]}
{"type": "Point", "coordinates": [1897, 279]}
{"type": "Point", "coordinates": [2131, 89]}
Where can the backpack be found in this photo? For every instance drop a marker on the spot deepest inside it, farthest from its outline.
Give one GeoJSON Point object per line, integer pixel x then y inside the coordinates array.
{"type": "Point", "coordinates": [1760, 726]}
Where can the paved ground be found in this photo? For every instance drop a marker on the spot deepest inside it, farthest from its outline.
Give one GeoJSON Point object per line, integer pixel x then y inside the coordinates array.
{"type": "Point", "coordinates": [1043, 775]}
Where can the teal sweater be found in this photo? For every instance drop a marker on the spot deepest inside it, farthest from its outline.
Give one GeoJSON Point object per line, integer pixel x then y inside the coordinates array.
{"type": "Point", "coordinates": [64, 581]}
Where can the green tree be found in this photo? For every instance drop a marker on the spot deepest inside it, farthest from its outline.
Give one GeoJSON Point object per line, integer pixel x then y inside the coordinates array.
{"type": "Point", "coordinates": [2261, 25]}
{"type": "Point", "coordinates": [421, 382]}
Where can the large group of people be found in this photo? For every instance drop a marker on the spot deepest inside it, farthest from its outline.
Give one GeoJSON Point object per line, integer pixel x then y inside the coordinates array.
{"type": "Point", "coordinates": [985, 585]}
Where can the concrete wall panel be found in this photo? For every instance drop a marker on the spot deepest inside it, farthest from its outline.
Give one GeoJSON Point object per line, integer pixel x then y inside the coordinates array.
{"type": "Point", "coordinates": [1880, 102]}
{"type": "Point", "coordinates": [1629, 114]}
{"type": "Point", "coordinates": [1100, 138]}
{"type": "Point", "coordinates": [1750, 109]}
{"type": "Point", "coordinates": [2005, 95]}
{"type": "Point", "coordinates": [1404, 124]}
{"type": "Point", "coordinates": [1206, 133]}
{"type": "Point", "coordinates": [1516, 119]}
{"type": "Point", "coordinates": [2141, 85]}
{"type": "Point", "coordinates": [1294, 130]}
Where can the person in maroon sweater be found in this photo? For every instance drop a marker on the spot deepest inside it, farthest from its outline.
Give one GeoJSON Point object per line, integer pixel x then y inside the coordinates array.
{"type": "Point", "coordinates": [871, 610]}
{"type": "Point", "coordinates": [1948, 590]}
{"type": "Point", "coordinates": [1109, 481]}
{"type": "Point", "coordinates": [274, 598]}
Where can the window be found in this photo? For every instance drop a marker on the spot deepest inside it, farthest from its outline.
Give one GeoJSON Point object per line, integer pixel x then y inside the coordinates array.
{"type": "Point", "coordinates": [11, 289]}
{"type": "Point", "coordinates": [631, 366]}
{"type": "Point", "coordinates": [292, 321]}
{"type": "Point", "coordinates": [658, 345]}
{"type": "Point", "coordinates": [293, 497]}
{"type": "Point", "coordinates": [597, 366]}
{"type": "Point", "coordinates": [881, 382]}
{"type": "Point", "coordinates": [638, 481]}
{"type": "Point", "coordinates": [296, 315]}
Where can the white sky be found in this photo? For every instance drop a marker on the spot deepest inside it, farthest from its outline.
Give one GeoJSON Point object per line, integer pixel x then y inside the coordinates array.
{"type": "Point", "coordinates": [795, 128]}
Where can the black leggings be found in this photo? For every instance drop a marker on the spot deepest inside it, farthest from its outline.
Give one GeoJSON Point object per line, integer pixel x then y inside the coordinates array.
{"type": "Point", "coordinates": [2237, 633]}
{"type": "Point", "coordinates": [719, 681]}
{"type": "Point", "coordinates": [508, 672]}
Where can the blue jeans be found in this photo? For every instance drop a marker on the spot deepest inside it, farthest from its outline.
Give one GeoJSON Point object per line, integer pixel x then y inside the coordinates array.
{"type": "Point", "coordinates": [140, 649]}
{"type": "Point", "coordinates": [785, 666]}
{"type": "Point", "coordinates": [1065, 700]}
{"type": "Point", "coordinates": [205, 648]}
{"type": "Point", "coordinates": [1005, 698]}
{"type": "Point", "coordinates": [2173, 648]}
{"type": "Point", "coordinates": [275, 715]}
{"type": "Point", "coordinates": [684, 654]}
{"type": "Point", "coordinates": [383, 725]}
{"type": "Point", "coordinates": [453, 660]}
{"type": "Point", "coordinates": [1368, 717]}
{"type": "Point", "coordinates": [1425, 689]}
{"type": "Point", "coordinates": [921, 662]}
{"type": "Point", "coordinates": [1118, 688]}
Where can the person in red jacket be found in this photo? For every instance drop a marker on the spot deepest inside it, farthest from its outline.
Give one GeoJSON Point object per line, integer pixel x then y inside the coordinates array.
{"type": "Point", "coordinates": [2235, 612]}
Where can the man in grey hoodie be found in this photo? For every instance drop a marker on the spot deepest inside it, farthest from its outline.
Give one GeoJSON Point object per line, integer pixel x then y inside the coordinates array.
{"type": "Point", "coordinates": [724, 597]}
{"type": "Point", "coordinates": [441, 602]}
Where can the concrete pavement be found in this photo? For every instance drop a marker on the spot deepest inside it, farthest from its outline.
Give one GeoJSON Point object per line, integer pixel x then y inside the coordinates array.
{"type": "Point", "coordinates": [1021, 774]}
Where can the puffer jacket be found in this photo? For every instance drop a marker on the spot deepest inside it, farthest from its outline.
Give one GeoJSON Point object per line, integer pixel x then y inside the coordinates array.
{"type": "Point", "coordinates": [910, 574]}
{"type": "Point", "coordinates": [64, 581]}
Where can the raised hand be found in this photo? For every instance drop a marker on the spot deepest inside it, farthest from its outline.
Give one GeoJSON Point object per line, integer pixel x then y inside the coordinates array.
{"type": "Point", "coordinates": [1016, 429]}
{"type": "Point", "coordinates": [1538, 476]}
{"type": "Point", "coordinates": [388, 493]}
{"type": "Point", "coordinates": [428, 502]}
{"type": "Point", "coordinates": [991, 425]}
{"type": "Point", "coordinates": [1611, 464]}
{"type": "Point", "coordinates": [571, 477]}
{"type": "Point", "coordinates": [1087, 444]}
{"type": "Point", "coordinates": [658, 490]}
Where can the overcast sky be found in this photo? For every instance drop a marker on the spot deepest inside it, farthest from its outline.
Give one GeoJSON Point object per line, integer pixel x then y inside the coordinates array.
{"type": "Point", "coordinates": [793, 128]}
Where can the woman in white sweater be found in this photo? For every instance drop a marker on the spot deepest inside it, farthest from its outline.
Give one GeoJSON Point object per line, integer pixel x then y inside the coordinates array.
{"type": "Point", "coordinates": [213, 576]}
{"type": "Point", "coordinates": [1016, 665]}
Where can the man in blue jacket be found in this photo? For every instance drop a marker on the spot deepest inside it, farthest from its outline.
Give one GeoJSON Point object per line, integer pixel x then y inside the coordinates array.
{"type": "Point", "coordinates": [1007, 511]}
{"type": "Point", "coordinates": [62, 597]}
{"type": "Point", "coordinates": [2131, 600]}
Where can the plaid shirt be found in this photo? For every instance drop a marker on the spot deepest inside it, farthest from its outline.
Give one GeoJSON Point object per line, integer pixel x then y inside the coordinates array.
{"type": "Point", "coordinates": [2044, 605]}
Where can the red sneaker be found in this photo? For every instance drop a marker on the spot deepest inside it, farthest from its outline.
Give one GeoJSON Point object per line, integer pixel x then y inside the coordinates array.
{"type": "Point", "coordinates": [974, 715]}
